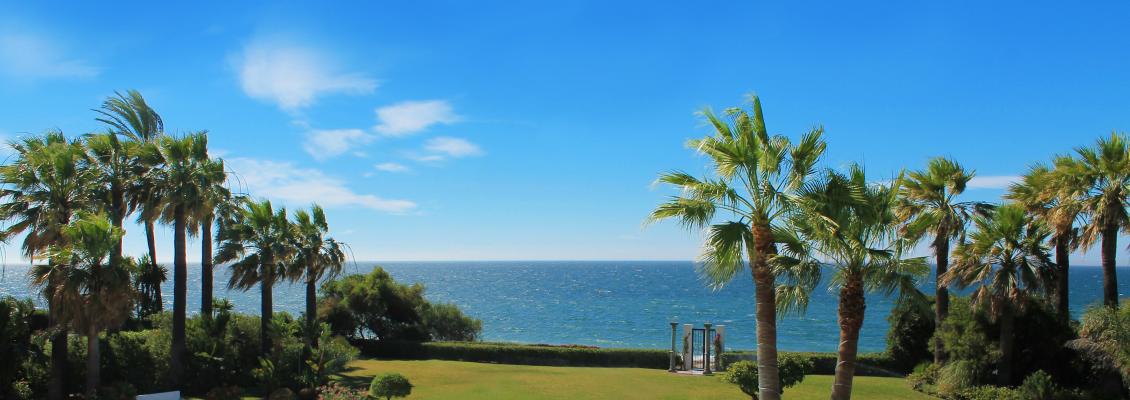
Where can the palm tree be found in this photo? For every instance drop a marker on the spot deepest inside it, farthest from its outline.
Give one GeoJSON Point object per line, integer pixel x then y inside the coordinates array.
{"type": "Point", "coordinates": [41, 190]}
{"type": "Point", "coordinates": [317, 257]}
{"type": "Point", "coordinates": [1100, 177]}
{"type": "Point", "coordinates": [929, 207]}
{"type": "Point", "coordinates": [182, 184]}
{"type": "Point", "coordinates": [91, 295]}
{"type": "Point", "coordinates": [130, 116]}
{"type": "Point", "coordinates": [755, 177]}
{"type": "Point", "coordinates": [214, 197]}
{"type": "Point", "coordinates": [113, 161]}
{"type": "Point", "coordinates": [1005, 258]}
{"type": "Point", "coordinates": [852, 224]}
{"type": "Point", "coordinates": [1039, 193]}
{"type": "Point", "coordinates": [258, 241]}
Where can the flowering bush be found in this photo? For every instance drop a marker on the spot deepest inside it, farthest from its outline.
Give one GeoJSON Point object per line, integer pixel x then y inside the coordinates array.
{"type": "Point", "coordinates": [335, 391]}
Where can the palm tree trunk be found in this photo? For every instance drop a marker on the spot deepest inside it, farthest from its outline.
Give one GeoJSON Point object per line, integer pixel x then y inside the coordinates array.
{"type": "Point", "coordinates": [180, 294]}
{"type": "Point", "coordinates": [93, 372]}
{"type": "Point", "coordinates": [1062, 262]}
{"type": "Point", "coordinates": [1007, 327]}
{"type": "Point", "coordinates": [265, 306]}
{"type": "Point", "coordinates": [117, 214]}
{"type": "Point", "coordinates": [1110, 278]}
{"type": "Point", "coordinates": [768, 382]}
{"type": "Point", "coordinates": [206, 267]}
{"type": "Point", "coordinates": [58, 355]}
{"type": "Point", "coordinates": [941, 292]}
{"type": "Point", "coordinates": [311, 308]}
{"type": "Point", "coordinates": [151, 240]}
{"type": "Point", "coordinates": [852, 306]}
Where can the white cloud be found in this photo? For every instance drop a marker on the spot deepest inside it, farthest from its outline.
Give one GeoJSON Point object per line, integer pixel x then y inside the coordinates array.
{"type": "Point", "coordinates": [296, 186]}
{"type": "Point", "coordinates": [408, 117]}
{"type": "Point", "coordinates": [294, 77]}
{"type": "Point", "coordinates": [452, 147]}
{"type": "Point", "coordinates": [992, 182]}
{"type": "Point", "coordinates": [391, 167]}
{"type": "Point", "coordinates": [32, 57]}
{"type": "Point", "coordinates": [327, 143]}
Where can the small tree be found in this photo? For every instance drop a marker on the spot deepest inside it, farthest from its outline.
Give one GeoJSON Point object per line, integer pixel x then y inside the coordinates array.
{"type": "Point", "coordinates": [744, 373]}
{"type": "Point", "coordinates": [390, 385]}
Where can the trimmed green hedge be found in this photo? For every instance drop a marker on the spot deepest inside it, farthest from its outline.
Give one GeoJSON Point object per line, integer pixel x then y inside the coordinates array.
{"type": "Point", "coordinates": [870, 364]}
{"type": "Point", "coordinates": [510, 353]}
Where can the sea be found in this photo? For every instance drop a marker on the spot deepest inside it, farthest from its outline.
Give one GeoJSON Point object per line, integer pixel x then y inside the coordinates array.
{"type": "Point", "coordinates": [598, 303]}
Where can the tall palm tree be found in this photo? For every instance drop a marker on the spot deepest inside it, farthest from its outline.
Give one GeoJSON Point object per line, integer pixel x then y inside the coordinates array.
{"type": "Point", "coordinates": [755, 176]}
{"type": "Point", "coordinates": [182, 184]}
{"type": "Point", "coordinates": [1005, 258]}
{"type": "Point", "coordinates": [215, 196]}
{"type": "Point", "coordinates": [1100, 177]}
{"type": "Point", "coordinates": [92, 295]}
{"type": "Point", "coordinates": [259, 242]}
{"type": "Point", "coordinates": [317, 257]}
{"type": "Point", "coordinates": [852, 224]}
{"type": "Point", "coordinates": [929, 208]}
{"type": "Point", "coordinates": [129, 115]}
{"type": "Point", "coordinates": [1040, 193]}
{"type": "Point", "coordinates": [113, 162]}
{"type": "Point", "coordinates": [41, 190]}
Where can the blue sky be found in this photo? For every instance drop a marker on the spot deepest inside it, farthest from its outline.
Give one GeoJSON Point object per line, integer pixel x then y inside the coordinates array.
{"type": "Point", "coordinates": [494, 130]}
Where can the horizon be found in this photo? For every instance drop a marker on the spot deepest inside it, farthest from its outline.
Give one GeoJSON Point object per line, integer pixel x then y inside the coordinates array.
{"type": "Point", "coordinates": [513, 132]}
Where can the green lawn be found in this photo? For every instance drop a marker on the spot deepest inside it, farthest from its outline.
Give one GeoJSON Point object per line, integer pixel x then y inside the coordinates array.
{"type": "Point", "coordinates": [464, 380]}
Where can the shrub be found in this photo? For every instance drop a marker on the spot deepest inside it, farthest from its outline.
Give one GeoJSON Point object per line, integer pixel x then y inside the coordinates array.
{"type": "Point", "coordinates": [390, 385]}
{"type": "Point", "coordinates": [282, 394]}
{"type": "Point", "coordinates": [924, 377]}
{"type": "Point", "coordinates": [117, 391]}
{"type": "Point", "coordinates": [792, 368]}
{"type": "Point", "coordinates": [229, 392]}
{"type": "Point", "coordinates": [335, 391]}
{"type": "Point", "coordinates": [1038, 386]}
{"type": "Point", "coordinates": [867, 364]}
{"type": "Point", "coordinates": [909, 336]}
{"type": "Point", "coordinates": [375, 304]}
{"type": "Point", "coordinates": [958, 376]}
{"type": "Point", "coordinates": [986, 393]}
{"type": "Point", "coordinates": [791, 371]}
{"type": "Point", "coordinates": [511, 353]}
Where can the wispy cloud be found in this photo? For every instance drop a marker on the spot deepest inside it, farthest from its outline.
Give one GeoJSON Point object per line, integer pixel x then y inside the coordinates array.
{"type": "Point", "coordinates": [299, 187]}
{"type": "Point", "coordinates": [391, 167]}
{"type": "Point", "coordinates": [294, 76]}
{"type": "Point", "coordinates": [452, 147]}
{"type": "Point", "coordinates": [327, 143]}
{"type": "Point", "coordinates": [408, 117]}
{"type": "Point", "coordinates": [27, 56]}
{"type": "Point", "coordinates": [992, 181]}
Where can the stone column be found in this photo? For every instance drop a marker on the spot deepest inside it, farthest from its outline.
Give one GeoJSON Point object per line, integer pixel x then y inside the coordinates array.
{"type": "Point", "coordinates": [688, 358]}
{"type": "Point", "coordinates": [706, 345]}
{"type": "Point", "coordinates": [671, 355]}
{"type": "Point", "coordinates": [719, 346]}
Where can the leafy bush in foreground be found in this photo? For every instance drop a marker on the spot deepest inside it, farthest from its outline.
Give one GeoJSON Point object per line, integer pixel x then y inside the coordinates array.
{"type": "Point", "coordinates": [390, 385]}
{"type": "Point", "coordinates": [791, 370]}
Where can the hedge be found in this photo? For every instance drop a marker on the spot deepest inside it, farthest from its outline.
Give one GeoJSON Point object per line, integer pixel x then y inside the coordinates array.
{"type": "Point", "coordinates": [870, 364]}
{"type": "Point", "coordinates": [510, 353]}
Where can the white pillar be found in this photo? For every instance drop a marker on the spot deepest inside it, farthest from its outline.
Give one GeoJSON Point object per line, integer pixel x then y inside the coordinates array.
{"type": "Point", "coordinates": [688, 358]}
{"type": "Point", "coordinates": [720, 346]}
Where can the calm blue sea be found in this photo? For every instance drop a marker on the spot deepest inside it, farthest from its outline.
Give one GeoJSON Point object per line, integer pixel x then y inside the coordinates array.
{"type": "Point", "coordinates": [601, 303]}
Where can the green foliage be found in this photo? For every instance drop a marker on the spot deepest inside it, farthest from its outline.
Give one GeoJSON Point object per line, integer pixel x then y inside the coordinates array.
{"type": "Point", "coordinates": [390, 385]}
{"type": "Point", "coordinates": [1104, 341]}
{"type": "Point", "coordinates": [744, 375]}
{"type": "Point", "coordinates": [867, 364]}
{"type": "Point", "coordinates": [960, 375]}
{"type": "Point", "coordinates": [1037, 386]}
{"type": "Point", "coordinates": [374, 304]}
{"type": "Point", "coordinates": [908, 337]}
{"type": "Point", "coordinates": [230, 392]}
{"type": "Point", "coordinates": [511, 353]}
{"type": "Point", "coordinates": [336, 391]}
{"type": "Point", "coordinates": [16, 347]}
{"type": "Point", "coordinates": [329, 358]}
{"type": "Point", "coordinates": [986, 393]}
{"type": "Point", "coordinates": [791, 370]}
{"type": "Point", "coordinates": [924, 377]}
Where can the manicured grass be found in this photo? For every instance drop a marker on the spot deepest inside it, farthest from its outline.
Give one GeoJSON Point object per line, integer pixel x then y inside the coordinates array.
{"type": "Point", "coordinates": [464, 380]}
